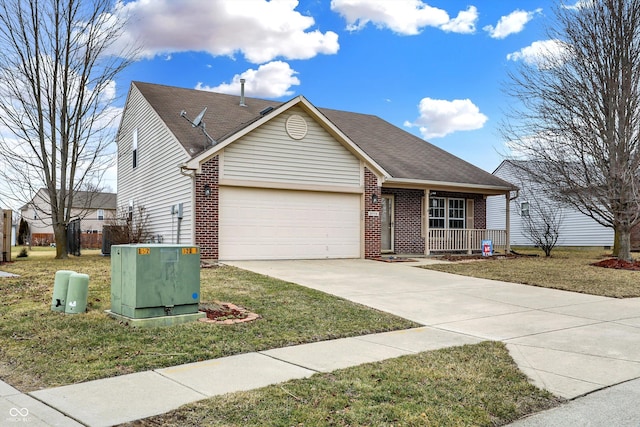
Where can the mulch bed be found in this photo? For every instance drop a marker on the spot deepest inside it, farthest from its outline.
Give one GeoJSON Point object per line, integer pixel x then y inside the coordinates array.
{"type": "Point", "coordinates": [394, 259]}
{"type": "Point", "coordinates": [476, 257]}
{"type": "Point", "coordinates": [225, 313]}
{"type": "Point", "coordinates": [618, 264]}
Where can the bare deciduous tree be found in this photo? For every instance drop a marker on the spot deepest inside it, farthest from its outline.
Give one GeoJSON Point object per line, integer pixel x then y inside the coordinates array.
{"type": "Point", "coordinates": [578, 113]}
{"type": "Point", "coordinates": [541, 217]}
{"type": "Point", "coordinates": [57, 87]}
{"type": "Point", "coordinates": [129, 226]}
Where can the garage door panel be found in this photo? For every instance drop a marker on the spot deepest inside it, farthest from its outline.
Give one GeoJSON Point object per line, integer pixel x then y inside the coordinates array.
{"type": "Point", "coordinates": [280, 224]}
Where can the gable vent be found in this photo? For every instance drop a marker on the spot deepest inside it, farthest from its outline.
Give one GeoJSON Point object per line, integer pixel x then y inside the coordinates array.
{"type": "Point", "coordinates": [296, 126]}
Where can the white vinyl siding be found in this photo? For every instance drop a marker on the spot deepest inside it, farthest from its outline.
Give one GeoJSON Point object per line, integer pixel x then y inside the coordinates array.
{"type": "Point", "coordinates": [284, 224]}
{"type": "Point", "coordinates": [269, 154]}
{"type": "Point", "coordinates": [156, 182]}
{"type": "Point", "coordinates": [576, 229]}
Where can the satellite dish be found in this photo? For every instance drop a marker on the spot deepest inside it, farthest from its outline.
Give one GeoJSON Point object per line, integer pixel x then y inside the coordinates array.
{"type": "Point", "coordinates": [196, 122]}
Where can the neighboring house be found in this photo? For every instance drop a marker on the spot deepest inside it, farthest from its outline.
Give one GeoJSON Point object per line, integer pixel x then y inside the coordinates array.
{"type": "Point", "coordinates": [92, 208]}
{"type": "Point", "coordinates": [576, 229]}
{"type": "Point", "coordinates": [288, 180]}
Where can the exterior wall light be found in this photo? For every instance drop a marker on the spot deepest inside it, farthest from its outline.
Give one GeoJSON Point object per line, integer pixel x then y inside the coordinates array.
{"type": "Point", "coordinates": [374, 198]}
{"type": "Point", "coordinates": [207, 190]}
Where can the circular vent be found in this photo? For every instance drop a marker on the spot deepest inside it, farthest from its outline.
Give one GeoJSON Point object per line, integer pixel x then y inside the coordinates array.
{"type": "Point", "coordinates": [296, 127]}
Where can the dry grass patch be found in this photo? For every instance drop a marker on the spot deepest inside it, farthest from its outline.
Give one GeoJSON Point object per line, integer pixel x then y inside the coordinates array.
{"type": "Point", "coordinates": [566, 269]}
{"type": "Point", "coordinates": [473, 385]}
{"type": "Point", "coordinates": [40, 348]}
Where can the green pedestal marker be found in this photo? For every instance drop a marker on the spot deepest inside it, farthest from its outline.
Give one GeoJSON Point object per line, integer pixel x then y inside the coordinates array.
{"type": "Point", "coordinates": [60, 287]}
{"type": "Point", "coordinates": [77, 294]}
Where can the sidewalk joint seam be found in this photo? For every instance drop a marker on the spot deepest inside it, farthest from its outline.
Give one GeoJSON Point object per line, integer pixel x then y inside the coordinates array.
{"type": "Point", "coordinates": [204, 396]}
{"type": "Point", "coordinates": [288, 362]}
{"type": "Point", "coordinates": [66, 414]}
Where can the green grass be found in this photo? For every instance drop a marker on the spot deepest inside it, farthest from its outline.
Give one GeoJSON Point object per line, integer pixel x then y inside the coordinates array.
{"type": "Point", "coordinates": [474, 385]}
{"type": "Point", "coordinates": [41, 348]}
{"type": "Point", "coordinates": [567, 269]}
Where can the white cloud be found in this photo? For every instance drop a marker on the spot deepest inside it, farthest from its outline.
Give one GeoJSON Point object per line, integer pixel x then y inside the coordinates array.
{"type": "Point", "coordinates": [407, 17]}
{"type": "Point", "coordinates": [271, 80]}
{"type": "Point", "coordinates": [261, 30]}
{"type": "Point", "coordinates": [464, 23]}
{"type": "Point", "coordinates": [581, 4]}
{"type": "Point", "coordinates": [511, 24]}
{"type": "Point", "coordinates": [543, 54]}
{"type": "Point", "coordinates": [439, 117]}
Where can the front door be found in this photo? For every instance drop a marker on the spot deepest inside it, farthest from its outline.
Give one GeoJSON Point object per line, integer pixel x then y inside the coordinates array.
{"type": "Point", "coordinates": [386, 223]}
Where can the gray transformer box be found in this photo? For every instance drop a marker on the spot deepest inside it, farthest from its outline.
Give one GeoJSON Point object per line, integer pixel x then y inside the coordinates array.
{"type": "Point", "coordinates": [154, 280]}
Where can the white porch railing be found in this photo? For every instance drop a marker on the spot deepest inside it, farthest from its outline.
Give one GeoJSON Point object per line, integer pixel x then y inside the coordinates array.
{"type": "Point", "coordinates": [461, 240]}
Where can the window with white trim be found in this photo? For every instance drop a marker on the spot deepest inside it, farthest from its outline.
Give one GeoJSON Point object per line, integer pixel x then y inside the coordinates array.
{"type": "Point", "coordinates": [100, 214]}
{"type": "Point", "coordinates": [524, 209]}
{"type": "Point", "coordinates": [447, 213]}
{"type": "Point", "coordinates": [436, 212]}
{"type": "Point", "coordinates": [134, 148]}
{"type": "Point", "coordinates": [456, 213]}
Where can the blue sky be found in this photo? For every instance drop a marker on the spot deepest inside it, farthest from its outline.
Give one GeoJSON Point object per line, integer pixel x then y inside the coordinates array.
{"type": "Point", "coordinates": [434, 68]}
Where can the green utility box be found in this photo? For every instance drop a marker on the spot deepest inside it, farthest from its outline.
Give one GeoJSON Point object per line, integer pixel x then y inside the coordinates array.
{"type": "Point", "coordinates": [153, 280]}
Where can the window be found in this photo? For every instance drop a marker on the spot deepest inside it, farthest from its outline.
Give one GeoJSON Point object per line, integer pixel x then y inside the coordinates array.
{"type": "Point", "coordinates": [436, 212]}
{"type": "Point", "coordinates": [524, 209]}
{"type": "Point", "coordinates": [101, 214]}
{"type": "Point", "coordinates": [446, 213]}
{"type": "Point", "coordinates": [130, 211]}
{"type": "Point", "coordinates": [456, 213]}
{"type": "Point", "coordinates": [134, 148]}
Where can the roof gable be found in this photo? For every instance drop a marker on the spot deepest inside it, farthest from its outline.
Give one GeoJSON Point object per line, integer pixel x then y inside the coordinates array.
{"type": "Point", "coordinates": [224, 115]}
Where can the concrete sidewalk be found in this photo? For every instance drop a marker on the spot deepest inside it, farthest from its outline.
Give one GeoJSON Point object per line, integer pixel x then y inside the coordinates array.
{"type": "Point", "coordinates": [130, 397]}
{"type": "Point", "coordinates": [568, 343]}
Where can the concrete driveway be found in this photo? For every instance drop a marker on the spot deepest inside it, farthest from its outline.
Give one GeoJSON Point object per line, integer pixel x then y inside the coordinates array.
{"type": "Point", "coordinates": [568, 343]}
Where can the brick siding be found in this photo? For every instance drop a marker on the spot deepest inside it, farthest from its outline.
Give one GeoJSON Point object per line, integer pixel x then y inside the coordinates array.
{"type": "Point", "coordinates": [407, 220]}
{"type": "Point", "coordinates": [372, 242]}
{"type": "Point", "coordinates": [207, 210]}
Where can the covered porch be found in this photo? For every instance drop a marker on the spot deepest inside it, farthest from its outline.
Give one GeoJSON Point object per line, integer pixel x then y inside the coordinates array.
{"type": "Point", "coordinates": [435, 220]}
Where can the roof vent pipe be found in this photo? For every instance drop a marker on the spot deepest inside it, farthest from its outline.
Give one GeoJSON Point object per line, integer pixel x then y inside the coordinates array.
{"type": "Point", "coordinates": [242, 104]}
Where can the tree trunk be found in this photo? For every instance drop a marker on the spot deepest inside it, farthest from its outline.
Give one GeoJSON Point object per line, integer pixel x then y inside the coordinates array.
{"type": "Point", "coordinates": [624, 244]}
{"type": "Point", "coordinates": [60, 233]}
{"type": "Point", "coordinates": [616, 243]}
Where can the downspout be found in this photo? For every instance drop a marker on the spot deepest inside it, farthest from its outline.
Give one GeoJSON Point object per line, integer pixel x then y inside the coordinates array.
{"type": "Point", "coordinates": [508, 218]}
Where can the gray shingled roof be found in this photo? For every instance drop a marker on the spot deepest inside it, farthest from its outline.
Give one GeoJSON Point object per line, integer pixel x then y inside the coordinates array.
{"type": "Point", "coordinates": [81, 200]}
{"type": "Point", "coordinates": [402, 154]}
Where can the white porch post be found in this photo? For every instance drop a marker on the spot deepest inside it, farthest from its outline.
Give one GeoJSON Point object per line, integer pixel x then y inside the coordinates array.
{"type": "Point", "coordinates": [425, 221]}
{"type": "Point", "coordinates": [508, 221]}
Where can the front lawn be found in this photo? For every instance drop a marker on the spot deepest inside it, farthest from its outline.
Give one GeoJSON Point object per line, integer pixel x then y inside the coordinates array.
{"type": "Point", "coordinates": [40, 348]}
{"type": "Point", "coordinates": [567, 269]}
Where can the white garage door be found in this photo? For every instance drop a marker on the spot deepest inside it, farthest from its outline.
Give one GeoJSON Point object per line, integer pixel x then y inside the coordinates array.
{"type": "Point", "coordinates": [281, 224]}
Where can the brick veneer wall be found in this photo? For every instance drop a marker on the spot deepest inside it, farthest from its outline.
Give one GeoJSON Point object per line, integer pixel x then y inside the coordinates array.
{"type": "Point", "coordinates": [207, 210]}
{"type": "Point", "coordinates": [372, 241]}
{"type": "Point", "coordinates": [407, 221]}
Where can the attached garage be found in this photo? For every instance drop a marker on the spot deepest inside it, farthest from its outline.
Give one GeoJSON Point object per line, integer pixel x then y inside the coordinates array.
{"type": "Point", "coordinates": [257, 223]}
